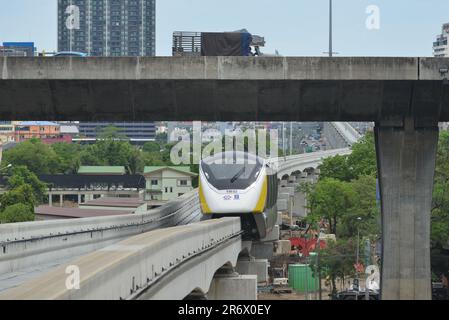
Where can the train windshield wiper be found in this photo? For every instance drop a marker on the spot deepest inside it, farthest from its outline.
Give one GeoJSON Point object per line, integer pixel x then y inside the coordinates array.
{"type": "Point", "coordinates": [238, 174]}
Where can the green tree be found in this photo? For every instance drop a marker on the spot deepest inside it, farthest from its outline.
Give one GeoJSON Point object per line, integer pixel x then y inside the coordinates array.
{"type": "Point", "coordinates": [15, 213]}
{"type": "Point", "coordinates": [22, 176]}
{"type": "Point", "coordinates": [364, 206]}
{"type": "Point", "coordinates": [440, 209]}
{"type": "Point", "coordinates": [23, 194]}
{"type": "Point", "coordinates": [113, 152]}
{"type": "Point", "coordinates": [330, 199]}
{"type": "Point", "coordinates": [36, 156]}
{"type": "Point", "coordinates": [151, 146]}
{"type": "Point", "coordinates": [161, 138]}
{"type": "Point", "coordinates": [337, 261]}
{"type": "Point", "coordinates": [362, 161]}
{"type": "Point", "coordinates": [336, 168]}
{"type": "Point", "coordinates": [69, 157]}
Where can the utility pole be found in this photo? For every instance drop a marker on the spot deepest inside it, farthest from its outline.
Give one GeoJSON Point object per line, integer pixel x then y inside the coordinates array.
{"type": "Point", "coordinates": [357, 262]}
{"type": "Point", "coordinates": [330, 29]}
{"type": "Point", "coordinates": [291, 138]}
{"type": "Point", "coordinates": [283, 140]}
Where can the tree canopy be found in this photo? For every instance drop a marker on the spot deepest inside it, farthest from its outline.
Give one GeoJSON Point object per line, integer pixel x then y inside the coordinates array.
{"type": "Point", "coordinates": [38, 157]}
{"type": "Point", "coordinates": [18, 212]}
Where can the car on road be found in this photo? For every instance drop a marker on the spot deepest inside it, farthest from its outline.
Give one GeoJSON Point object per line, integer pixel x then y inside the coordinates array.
{"type": "Point", "coordinates": [70, 54]}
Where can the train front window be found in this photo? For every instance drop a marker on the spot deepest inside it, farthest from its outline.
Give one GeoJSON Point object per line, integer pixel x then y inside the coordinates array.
{"type": "Point", "coordinates": [232, 176]}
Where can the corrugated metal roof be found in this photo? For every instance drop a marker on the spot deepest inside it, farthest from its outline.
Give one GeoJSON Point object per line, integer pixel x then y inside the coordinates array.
{"type": "Point", "coordinates": [38, 123]}
{"type": "Point", "coordinates": [115, 202]}
{"type": "Point", "coordinates": [101, 169]}
{"type": "Point", "coordinates": [69, 129]}
{"type": "Point", "coordinates": [76, 212]}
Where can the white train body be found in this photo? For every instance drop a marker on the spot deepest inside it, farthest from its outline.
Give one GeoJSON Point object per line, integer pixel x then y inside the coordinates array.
{"type": "Point", "coordinates": [237, 187]}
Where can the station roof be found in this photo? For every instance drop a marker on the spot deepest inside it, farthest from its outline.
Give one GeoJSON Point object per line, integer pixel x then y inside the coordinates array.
{"type": "Point", "coordinates": [102, 170]}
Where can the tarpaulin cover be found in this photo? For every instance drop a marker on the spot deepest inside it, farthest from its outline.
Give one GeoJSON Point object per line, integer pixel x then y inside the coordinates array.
{"type": "Point", "coordinates": [225, 44]}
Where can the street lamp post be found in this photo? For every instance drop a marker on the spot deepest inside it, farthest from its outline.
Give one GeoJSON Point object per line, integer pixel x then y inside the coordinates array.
{"type": "Point", "coordinates": [7, 167]}
{"type": "Point", "coordinates": [357, 262]}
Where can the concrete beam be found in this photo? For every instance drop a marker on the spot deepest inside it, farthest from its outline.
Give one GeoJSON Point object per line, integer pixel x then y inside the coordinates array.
{"type": "Point", "coordinates": [221, 88]}
{"type": "Point", "coordinates": [406, 159]}
{"type": "Point", "coordinates": [251, 266]}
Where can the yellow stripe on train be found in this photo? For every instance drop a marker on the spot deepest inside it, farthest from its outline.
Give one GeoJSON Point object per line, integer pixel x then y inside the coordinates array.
{"type": "Point", "coordinates": [260, 207]}
{"type": "Point", "coordinates": [203, 203]}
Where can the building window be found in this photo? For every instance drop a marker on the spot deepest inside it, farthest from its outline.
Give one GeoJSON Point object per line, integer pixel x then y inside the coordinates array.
{"type": "Point", "coordinates": [183, 183]}
{"type": "Point", "coordinates": [166, 190]}
{"type": "Point", "coordinates": [154, 182]}
{"type": "Point", "coordinates": [180, 194]}
{"type": "Point", "coordinates": [171, 189]}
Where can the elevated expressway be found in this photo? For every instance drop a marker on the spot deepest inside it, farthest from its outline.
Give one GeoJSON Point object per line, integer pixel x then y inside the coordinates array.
{"type": "Point", "coordinates": [183, 260]}
{"type": "Point", "coordinates": [347, 132]}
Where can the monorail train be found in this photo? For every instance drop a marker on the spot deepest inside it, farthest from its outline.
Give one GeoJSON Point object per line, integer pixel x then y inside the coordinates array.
{"type": "Point", "coordinates": [239, 184]}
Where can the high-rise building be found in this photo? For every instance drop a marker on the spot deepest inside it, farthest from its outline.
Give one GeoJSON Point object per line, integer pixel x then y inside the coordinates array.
{"type": "Point", "coordinates": [107, 27]}
{"type": "Point", "coordinates": [440, 46]}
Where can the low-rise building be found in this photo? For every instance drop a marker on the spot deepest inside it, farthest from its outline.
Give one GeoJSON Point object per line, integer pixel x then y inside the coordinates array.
{"type": "Point", "coordinates": [167, 183]}
{"type": "Point", "coordinates": [80, 188]}
{"type": "Point", "coordinates": [37, 129]}
{"type": "Point", "coordinates": [7, 131]}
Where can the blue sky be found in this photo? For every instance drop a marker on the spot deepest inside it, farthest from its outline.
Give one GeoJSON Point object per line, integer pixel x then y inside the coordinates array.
{"type": "Point", "coordinates": [293, 27]}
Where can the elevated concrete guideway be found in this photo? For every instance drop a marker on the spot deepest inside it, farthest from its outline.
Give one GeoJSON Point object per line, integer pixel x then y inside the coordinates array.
{"type": "Point", "coordinates": [138, 268]}
{"type": "Point", "coordinates": [300, 162]}
{"type": "Point", "coordinates": [224, 88]}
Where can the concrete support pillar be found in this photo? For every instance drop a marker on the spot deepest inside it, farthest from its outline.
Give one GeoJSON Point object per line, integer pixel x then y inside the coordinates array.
{"type": "Point", "coordinates": [233, 288]}
{"type": "Point", "coordinates": [79, 198]}
{"type": "Point", "coordinates": [61, 200]}
{"type": "Point", "coordinates": [50, 199]}
{"type": "Point", "coordinates": [252, 266]}
{"type": "Point", "coordinates": [406, 160]}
